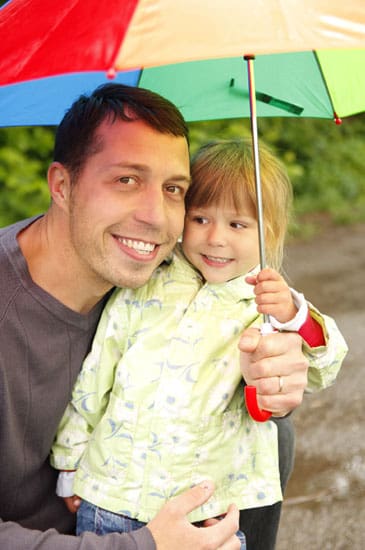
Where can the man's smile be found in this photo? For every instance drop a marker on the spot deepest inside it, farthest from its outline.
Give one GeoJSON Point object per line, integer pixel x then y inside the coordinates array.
{"type": "Point", "coordinates": [140, 246]}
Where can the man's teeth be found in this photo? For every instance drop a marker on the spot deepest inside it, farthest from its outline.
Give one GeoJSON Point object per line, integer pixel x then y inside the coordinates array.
{"type": "Point", "coordinates": [139, 246]}
{"type": "Point", "coordinates": [218, 260]}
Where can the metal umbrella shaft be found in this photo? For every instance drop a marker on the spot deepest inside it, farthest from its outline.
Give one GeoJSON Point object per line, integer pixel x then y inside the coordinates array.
{"type": "Point", "coordinates": [260, 415]}
{"type": "Point", "coordinates": [256, 158]}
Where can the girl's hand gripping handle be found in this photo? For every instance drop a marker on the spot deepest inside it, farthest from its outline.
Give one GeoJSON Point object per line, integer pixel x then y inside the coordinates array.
{"type": "Point", "coordinates": [260, 415]}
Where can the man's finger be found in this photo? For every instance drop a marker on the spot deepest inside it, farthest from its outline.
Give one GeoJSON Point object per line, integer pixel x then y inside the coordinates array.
{"type": "Point", "coordinates": [223, 532]}
{"type": "Point", "coordinates": [191, 499]}
{"type": "Point", "coordinates": [249, 340]}
{"type": "Point", "coordinates": [233, 543]}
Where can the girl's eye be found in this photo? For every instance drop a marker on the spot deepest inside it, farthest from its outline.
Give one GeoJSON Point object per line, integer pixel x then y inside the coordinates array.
{"type": "Point", "coordinates": [238, 225]}
{"type": "Point", "coordinates": [200, 220]}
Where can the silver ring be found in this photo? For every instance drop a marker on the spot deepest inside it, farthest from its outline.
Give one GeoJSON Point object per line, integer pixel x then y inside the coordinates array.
{"type": "Point", "coordinates": [281, 384]}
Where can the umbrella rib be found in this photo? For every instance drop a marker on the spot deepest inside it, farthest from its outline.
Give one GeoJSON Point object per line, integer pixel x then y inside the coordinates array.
{"type": "Point", "coordinates": [279, 103]}
{"type": "Point", "coordinates": [335, 115]}
{"type": "Point", "coordinates": [271, 100]}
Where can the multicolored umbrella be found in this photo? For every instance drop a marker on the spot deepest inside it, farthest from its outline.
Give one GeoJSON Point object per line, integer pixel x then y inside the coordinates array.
{"type": "Point", "coordinates": [309, 60]}
{"type": "Point", "coordinates": [189, 51]}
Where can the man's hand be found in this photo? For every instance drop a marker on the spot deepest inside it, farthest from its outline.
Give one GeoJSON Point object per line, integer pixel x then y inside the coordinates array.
{"type": "Point", "coordinates": [264, 359]}
{"type": "Point", "coordinates": [171, 528]}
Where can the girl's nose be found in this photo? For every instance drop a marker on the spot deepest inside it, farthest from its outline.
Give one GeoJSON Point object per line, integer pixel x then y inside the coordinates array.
{"type": "Point", "coordinates": [216, 236]}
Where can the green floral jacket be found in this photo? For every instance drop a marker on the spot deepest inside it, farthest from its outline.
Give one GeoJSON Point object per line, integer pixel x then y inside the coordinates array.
{"type": "Point", "coordinates": [159, 403]}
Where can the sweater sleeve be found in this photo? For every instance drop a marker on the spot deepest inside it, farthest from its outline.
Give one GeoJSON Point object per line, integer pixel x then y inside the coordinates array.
{"type": "Point", "coordinates": [13, 535]}
{"type": "Point", "coordinates": [91, 392]}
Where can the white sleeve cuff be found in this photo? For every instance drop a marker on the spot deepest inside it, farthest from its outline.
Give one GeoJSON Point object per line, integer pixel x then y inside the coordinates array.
{"type": "Point", "coordinates": [298, 321]}
{"type": "Point", "coordinates": [65, 481]}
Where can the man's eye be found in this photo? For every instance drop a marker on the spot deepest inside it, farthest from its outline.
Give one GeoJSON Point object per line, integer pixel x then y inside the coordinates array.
{"type": "Point", "coordinates": [175, 190]}
{"type": "Point", "coordinates": [127, 180]}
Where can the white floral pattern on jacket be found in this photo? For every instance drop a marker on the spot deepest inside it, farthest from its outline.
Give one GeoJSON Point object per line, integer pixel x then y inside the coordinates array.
{"type": "Point", "coordinates": [159, 403]}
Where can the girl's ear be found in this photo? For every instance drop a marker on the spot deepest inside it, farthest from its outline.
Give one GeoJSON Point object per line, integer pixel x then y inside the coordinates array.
{"type": "Point", "coordinates": [59, 184]}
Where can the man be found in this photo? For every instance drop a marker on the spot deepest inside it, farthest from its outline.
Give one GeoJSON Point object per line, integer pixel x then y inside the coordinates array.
{"type": "Point", "coordinates": [117, 186]}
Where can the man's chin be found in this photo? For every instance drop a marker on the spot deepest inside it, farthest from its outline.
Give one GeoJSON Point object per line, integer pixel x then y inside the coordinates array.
{"type": "Point", "coordinates": [134, 279]}
{"type": "Point", "coordinates": [135, 274]}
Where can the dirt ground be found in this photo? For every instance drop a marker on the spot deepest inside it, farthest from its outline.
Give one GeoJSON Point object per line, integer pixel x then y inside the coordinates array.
{"type": "Point", "coordinates": [324, 507]}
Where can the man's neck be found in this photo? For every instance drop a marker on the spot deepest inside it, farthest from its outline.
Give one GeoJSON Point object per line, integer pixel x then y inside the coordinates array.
{"type": "Point", "coordinates": [54, 267]}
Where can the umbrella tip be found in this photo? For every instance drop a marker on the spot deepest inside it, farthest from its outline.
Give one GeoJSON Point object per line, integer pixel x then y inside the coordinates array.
{"type": "Point", "coordinates": [112, 73]}
{"type": "Point", "coordinates": [336, 118]}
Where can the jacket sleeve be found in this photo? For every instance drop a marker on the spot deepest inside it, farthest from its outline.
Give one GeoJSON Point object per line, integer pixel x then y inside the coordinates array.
{"type": "Point", "coordinates": [324, 361]}
{"type": "Point", "coordinates": [13, 535]}
{"type": "Point", "coordinates": [90, 395]}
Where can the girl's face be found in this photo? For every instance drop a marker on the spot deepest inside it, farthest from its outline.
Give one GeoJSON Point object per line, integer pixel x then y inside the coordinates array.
{"type": "Point", "coordinates": [221, 242]}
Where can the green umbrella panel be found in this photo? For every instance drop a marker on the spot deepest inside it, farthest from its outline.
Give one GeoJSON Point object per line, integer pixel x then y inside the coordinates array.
{"type": "Point", "coordinates": [322, 84]}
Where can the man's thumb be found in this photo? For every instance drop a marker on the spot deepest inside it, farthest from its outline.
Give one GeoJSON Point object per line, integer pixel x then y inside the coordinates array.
{"type": "Point", "coordinates": [249, 340]}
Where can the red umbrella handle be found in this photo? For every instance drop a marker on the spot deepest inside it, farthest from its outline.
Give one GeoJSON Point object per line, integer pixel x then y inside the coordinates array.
{"type": "Point", "coordinates": [260, 415]}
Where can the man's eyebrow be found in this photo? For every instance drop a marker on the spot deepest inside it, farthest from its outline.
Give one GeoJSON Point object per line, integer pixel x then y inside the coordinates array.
{"type": "Point", "coordinates": [144, 168]}
{"type": "Point", "coordinates": [130, 165]}
{"type": "Point", "coordinates": [181, 177]}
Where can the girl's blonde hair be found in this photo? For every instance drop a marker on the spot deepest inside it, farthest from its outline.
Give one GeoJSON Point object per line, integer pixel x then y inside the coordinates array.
{"type": "Point", "coordinates": [223, 173]}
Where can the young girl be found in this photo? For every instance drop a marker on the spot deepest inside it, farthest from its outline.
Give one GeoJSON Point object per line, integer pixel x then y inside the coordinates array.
{"type": "Point", "coordinates": [159, 404]}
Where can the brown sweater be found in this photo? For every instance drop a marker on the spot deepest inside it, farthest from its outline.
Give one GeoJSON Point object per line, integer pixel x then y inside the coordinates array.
{"type": "Point", "coordinates": [42, 346]}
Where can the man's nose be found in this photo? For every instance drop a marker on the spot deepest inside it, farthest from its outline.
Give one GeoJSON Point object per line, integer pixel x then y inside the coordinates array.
{"type": "Point", "coordinates": [151, 207]}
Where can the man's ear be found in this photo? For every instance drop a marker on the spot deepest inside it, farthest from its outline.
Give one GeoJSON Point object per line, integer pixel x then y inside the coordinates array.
{"type": "Point", "coordinates": [59, 184]}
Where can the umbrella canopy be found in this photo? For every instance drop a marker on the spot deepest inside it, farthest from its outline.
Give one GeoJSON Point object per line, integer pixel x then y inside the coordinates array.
{"type": "Point", "coordinates": [190, 52]}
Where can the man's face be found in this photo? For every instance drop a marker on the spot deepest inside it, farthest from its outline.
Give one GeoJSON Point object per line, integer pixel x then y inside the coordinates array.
{"type": "Point", "coordinates": [127, 205]}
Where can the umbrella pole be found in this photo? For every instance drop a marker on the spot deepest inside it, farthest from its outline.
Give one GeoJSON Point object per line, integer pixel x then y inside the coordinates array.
{"type": "Point", "coordinates": [255, 149]}
{"type": "Point", "coordinates": [260, 415]}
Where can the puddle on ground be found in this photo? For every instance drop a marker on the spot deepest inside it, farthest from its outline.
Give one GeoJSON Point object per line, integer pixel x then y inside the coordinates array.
{"type": "Point", "coordinates": [319, 480]}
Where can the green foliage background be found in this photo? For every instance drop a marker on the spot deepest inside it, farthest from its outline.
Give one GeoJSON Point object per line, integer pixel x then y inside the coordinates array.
{"type": "Point", "coordinates": [325, 161]}
{"type": "Point", "coordinates": [326, 164]}
{"type": "Point", "coordinates": [24, 156]}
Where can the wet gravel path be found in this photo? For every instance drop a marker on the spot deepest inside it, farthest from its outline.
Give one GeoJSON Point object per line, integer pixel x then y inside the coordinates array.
{"type": "Point", "coordinates": [324, 507]}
